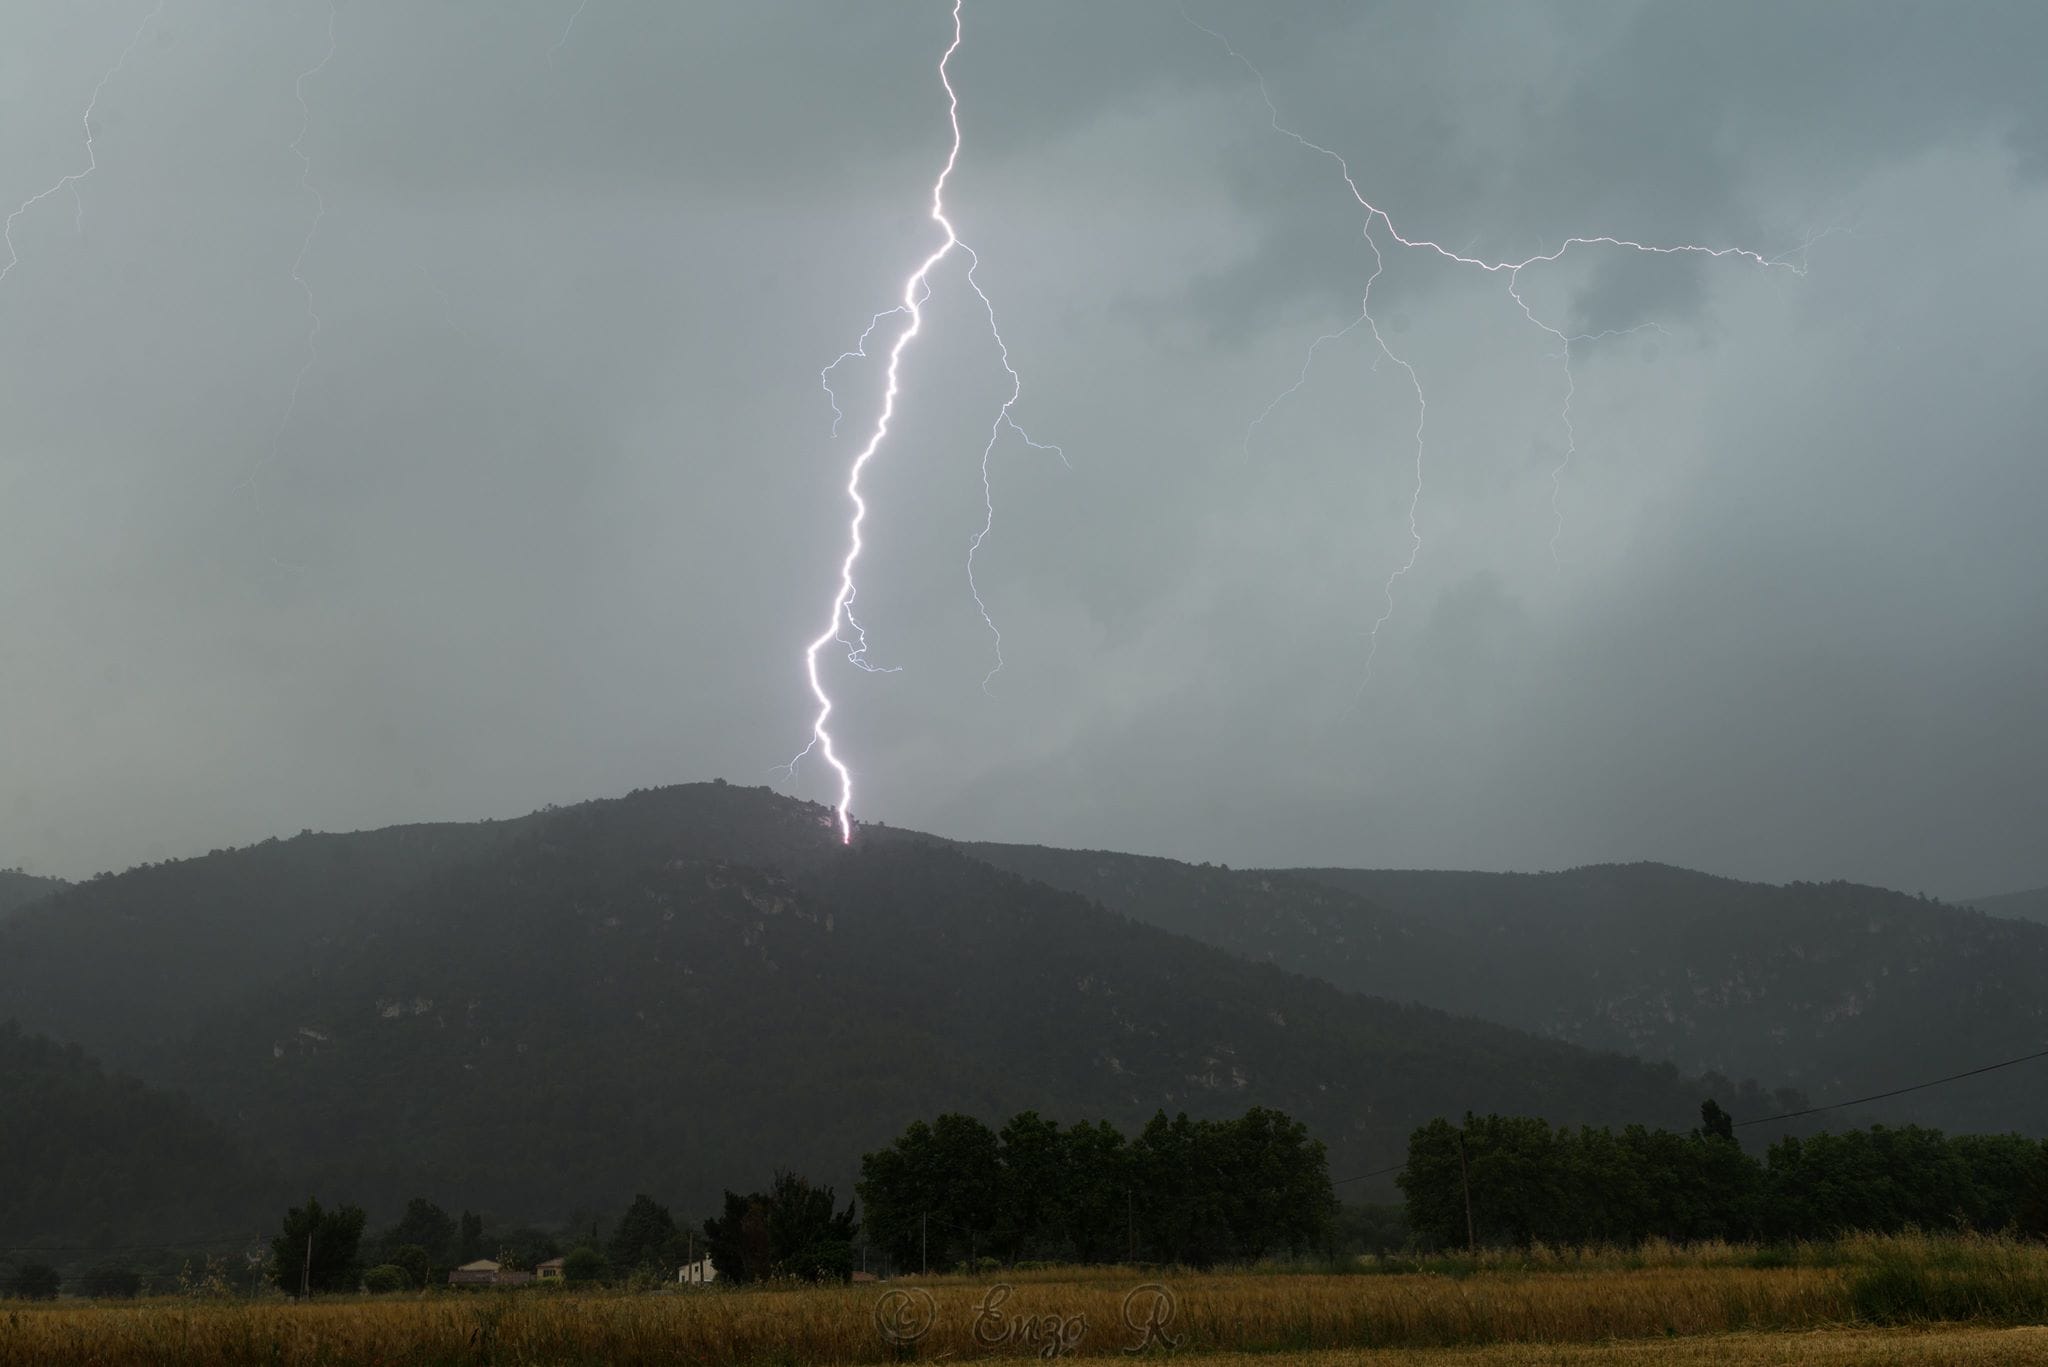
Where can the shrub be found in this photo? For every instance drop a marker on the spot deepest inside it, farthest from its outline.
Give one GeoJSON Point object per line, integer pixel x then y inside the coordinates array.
{"type": "Point", "coordinates": [386, 1277]}
{"type": "Point", "coordinates": [582, 1266]}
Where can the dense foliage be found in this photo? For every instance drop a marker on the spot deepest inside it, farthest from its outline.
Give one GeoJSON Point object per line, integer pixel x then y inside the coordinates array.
{"type": "Point", "coordinates": [89, 1157]}
{"type": "Point", "coordinates": [318, 1250]}
{"type": "Point", "coordinates": [790, 1230]}
{"type": "Point", "coordinates": [1829, 989]}
{"type": "Point", "coordinates": [18, 889]}
{"type": "Point", "coordinates": [521, 1016]}
{"type": "Point", "coordinates": [1530, 1182]}
{"type": "Point", "coordinates": [1191, 1192]}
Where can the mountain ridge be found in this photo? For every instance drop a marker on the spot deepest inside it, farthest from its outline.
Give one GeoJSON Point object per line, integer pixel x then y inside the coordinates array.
{"type": "Point", "coordinates": [604, 998]}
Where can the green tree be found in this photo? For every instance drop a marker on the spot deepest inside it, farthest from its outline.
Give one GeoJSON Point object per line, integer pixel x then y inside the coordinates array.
{"type": "Point", "coordinates": [1275, 1184]}
{"type": "Point", "coordinates": [1180, 1189]}
{"type": "Point", "coordinates": [790, 1230]}
{"type": "Point", "coordinates": [1030, 1216]}
{"type": "Point", "coordinates": [646, 1238]}
{"type": "Point", "coordinates": [936, 1188]}
{"type": "Point", "coordinates": [1716, 1123]}
{"type": "Point", "coordinates": [426, 1225]}
{"type": "Point", "coordinates": [1096, 1199]}
{"type": "Point", "coordinates": [418, 1267]}
{"type": "Point", "coordinates": [737, 1240]}
{"type": "Point", "coordinates": [386, 1277]}
{"type": "Point", "coordinates": [807, 1238]}
{"type": "Point", "coordinates": [318, 1249]}
{"type": "Point", "coordinates": [583, 1266]}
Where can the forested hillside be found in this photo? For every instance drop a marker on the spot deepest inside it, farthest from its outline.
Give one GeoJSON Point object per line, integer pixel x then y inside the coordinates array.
{"type": "Point", "coordinates": [680, 990]}
{"type": "Point", "coordinates": [18, 889]}
{"type": "Point", "coordinates": [2031, 905]}
{"type": "Point", "coordinates": [92, 1157]}
{"type": "Point", "coordinates": [1836, 989]}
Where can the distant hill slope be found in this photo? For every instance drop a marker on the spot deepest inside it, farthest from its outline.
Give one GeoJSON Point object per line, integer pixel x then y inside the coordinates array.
{"type": "Point", "coordinates": [120, 963]}
{"type": "Point", "coordinates": [680, 990]}
{"type": "Point", "coordinates": [1296, 921]}
{"type": "Point", "coordinates": [1838, 989]}
{"type": "Point", "coordinates": [126, 965]}
{"type": "Point", "coordinates": [2023, 906]}
{"type": "Point", "coordinates": [18, 889]}
{"type": "Point", "coordinates": [95, 1160]}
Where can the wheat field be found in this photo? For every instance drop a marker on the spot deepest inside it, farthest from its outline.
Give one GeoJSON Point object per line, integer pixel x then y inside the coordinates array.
{"type": "Point", "coordinates": [1907, 1300]}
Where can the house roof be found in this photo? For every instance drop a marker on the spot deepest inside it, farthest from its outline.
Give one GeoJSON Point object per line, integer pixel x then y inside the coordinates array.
{"type": "Point", "coordinates": [480, 1265]}
{"type": "Point", "coordinates": [552, 1262]}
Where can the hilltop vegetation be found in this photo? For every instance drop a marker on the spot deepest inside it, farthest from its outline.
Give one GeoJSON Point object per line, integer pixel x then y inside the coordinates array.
{"type": "Point", "coordinates": [1834, 989]}
{"type": "Point", "coordinates": [18, 889]}
{"type": "Point", "coordinates": [2031, 905]}
{"type": "Point", "coordinates": [658, 992]}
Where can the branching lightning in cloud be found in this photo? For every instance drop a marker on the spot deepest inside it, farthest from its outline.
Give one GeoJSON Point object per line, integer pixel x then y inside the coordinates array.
{"type": "Point", "coordinates": [842, 626]}
{"type": "Point", "coordinates": [1003, 420]}
{"type": "Point", "coordinates": [72, 180]}
{"type": "Point", "coordinates": [1373, 215]}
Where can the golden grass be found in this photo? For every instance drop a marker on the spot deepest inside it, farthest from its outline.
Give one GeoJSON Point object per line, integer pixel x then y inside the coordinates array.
{"type": "Point", "coordinates": [1968, 1347]}
{"type": "Point", "coordinates": [1708, 1304]}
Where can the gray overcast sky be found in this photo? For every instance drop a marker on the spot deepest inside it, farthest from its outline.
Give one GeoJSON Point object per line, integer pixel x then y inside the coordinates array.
{"type": "Point", "coordinates": [558, 504]}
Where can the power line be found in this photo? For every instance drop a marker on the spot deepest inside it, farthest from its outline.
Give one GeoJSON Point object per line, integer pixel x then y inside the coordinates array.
{"type": "Point", "coordinates": [1376, 1172]}
{"type": "Point", "coordinates": [1897, 1091]}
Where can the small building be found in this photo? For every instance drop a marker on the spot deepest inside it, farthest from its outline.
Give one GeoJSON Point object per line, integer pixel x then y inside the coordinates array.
{"type": "Point", "coordinates": [699, 1273]}
{"type": "Point", "coordinates": [549, 1271]}
{"type": "Point", "coordinates": [482, 1272]}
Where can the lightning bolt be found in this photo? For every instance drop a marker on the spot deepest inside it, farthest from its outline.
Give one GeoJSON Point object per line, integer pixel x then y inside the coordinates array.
{"type": "Point", "coordinates": [1373, 215]}
{"type": "Point", "coordinates": [306, 187]}
{"type": "Point", "coordinates": [915, 293]}
{"type": "Point", "coordinates": [563, 40]}
{"type": "Point", "coordinates": [92, 161]}
{"type": "Point", "coordinates": [1003, 420]}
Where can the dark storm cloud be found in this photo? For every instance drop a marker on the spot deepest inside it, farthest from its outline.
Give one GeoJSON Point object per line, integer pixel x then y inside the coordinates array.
{"type": "Point", "coordinates": [557, 505]}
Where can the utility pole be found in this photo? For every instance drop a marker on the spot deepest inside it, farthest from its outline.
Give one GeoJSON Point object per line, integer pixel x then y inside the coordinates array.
{"type": "Point", "coordinates": [1130, 1225]}
{"type": "Point", "coordinates": [306, 1272]}
{"type": "Point", "coordinates": [924, 1251]}
{"type": "Point", "coordinates": [1465, 1180]}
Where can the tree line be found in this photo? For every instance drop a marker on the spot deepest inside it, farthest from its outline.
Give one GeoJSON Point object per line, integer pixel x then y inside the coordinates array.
{"type": "Point", "coordinates": [948, 1193]}
{"type": "Point", "coordinates": [1499, 1179]}
{"type": "Point", "coordinates": [955, 1193]}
